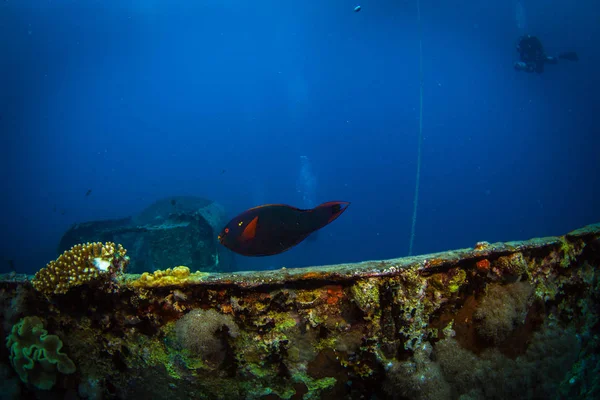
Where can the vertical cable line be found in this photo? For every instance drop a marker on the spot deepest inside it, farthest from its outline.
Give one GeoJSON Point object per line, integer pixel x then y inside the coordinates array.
{"type": "Point", "coordinates": [420, 139]}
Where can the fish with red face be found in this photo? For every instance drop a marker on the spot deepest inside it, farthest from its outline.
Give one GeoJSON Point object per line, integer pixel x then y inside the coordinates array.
{"type": "Point", "coordinates": [274, 228]}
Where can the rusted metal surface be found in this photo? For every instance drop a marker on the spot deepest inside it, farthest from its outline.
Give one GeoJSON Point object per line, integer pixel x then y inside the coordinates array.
{"type": "Point", "coordinates": [501, 320]}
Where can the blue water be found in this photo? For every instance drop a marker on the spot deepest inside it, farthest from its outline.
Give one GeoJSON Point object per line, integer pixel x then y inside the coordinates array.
{"type": "Point", "coordinates": [140, 100]}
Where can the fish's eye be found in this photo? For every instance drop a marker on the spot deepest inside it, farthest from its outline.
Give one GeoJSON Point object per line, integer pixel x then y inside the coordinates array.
{"type": "Point", "coordinates": [226, 230]}
{"type": "Point", "coordinates": [241, 223]}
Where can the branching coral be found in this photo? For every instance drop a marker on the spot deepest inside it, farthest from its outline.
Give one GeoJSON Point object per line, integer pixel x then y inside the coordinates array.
{"type": "Point", "coordinates": [82, 264]}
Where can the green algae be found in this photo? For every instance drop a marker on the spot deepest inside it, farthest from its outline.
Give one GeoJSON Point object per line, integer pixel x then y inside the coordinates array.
{"type": "Point", "coordinates": [352, 326]}
{"type": "Point", "coordinates": [365, 293]}
{"type": "Point", "coordinates": [456, 281]}
{"type": "Point", "coordinates": [315, 386]}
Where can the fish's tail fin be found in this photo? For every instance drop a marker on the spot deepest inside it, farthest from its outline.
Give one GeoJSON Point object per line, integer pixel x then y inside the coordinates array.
{"type": "Point", "coordinates": [327, 212]}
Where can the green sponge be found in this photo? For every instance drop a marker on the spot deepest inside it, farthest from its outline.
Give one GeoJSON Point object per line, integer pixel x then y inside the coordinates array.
{"type": "Point", "coordinates": [35, 355]}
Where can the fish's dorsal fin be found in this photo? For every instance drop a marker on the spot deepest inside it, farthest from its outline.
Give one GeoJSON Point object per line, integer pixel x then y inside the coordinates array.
{"type": "Point", "coordinates": [275, 205]}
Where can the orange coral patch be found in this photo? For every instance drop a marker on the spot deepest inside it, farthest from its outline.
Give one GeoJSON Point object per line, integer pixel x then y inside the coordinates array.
{"type": "Point", "coordinates": [483, 265]}
{"type": "Point", "coordinates": [311, 275]}
{"type": "Point", "coordinates": [334, 294]}
{"type": "Point", "coordinates": [226, 309]}
{"type": "Point", "coordinates": [436, 262]}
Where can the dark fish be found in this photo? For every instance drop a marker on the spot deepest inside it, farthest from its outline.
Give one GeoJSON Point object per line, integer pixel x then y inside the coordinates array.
{"type": "Point", "coordinates": [88, 192]}
{"type": "Point", "coordinates": [274, 228]}
{"type": "Point", "coordinates": [173, 202]}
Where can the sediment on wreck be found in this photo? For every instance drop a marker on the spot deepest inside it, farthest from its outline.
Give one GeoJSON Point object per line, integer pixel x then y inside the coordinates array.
{"type": "Point", "coordinates": [506, 320]}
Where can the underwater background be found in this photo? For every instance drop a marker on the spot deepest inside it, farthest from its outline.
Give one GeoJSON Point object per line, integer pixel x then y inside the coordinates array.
{"type": "Point", "coordinates": [248, 103]}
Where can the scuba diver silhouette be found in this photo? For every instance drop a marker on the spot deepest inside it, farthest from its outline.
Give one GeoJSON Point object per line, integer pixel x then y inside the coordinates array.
{"type": "Point", "coordinates": [533, 58]}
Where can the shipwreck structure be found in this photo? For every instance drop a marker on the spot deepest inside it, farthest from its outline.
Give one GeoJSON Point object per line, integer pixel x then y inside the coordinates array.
{"type": "Point", "coordinates": [513, 320]}
{"type": "Point", "coordinates": [169, 232]}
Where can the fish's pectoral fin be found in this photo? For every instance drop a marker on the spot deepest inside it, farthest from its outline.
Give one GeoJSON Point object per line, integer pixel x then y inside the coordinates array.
{"type": "Point", "coordinates": [249, 231]}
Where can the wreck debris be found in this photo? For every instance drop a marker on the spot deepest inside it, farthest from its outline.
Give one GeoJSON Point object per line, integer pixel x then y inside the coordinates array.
{"type": "Point", "coordinates": [505, 320]}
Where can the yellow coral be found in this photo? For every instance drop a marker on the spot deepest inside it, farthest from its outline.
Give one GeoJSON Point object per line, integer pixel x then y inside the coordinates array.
{"type": "Point", "coordinates": [81, 264]}
{"type": "Point", "coordinates": [169, 277]}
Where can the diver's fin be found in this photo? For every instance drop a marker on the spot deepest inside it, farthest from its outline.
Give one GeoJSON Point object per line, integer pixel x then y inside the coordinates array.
{"type": "Point", "coordinates": [570, 55]}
